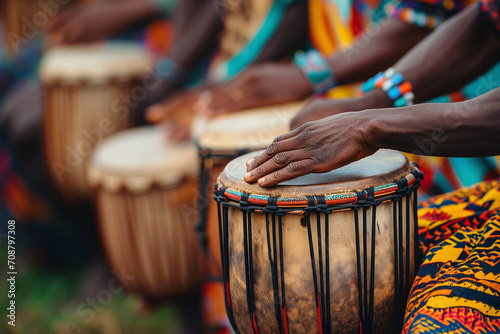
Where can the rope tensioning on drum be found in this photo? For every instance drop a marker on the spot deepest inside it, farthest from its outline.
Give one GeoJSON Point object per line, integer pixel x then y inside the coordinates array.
{"type": "Point", "coordinates": [278, 207]}
{"type": "Point", "coordinates": [204, 175]}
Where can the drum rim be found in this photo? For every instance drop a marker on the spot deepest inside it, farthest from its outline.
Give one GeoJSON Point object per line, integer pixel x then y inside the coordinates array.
{"type": "Point", "coordinates": [103, 176]}
{"type": "Point", "coordinates": [330, 201]}
{"type": "Point", "coordinates": [208, 146]}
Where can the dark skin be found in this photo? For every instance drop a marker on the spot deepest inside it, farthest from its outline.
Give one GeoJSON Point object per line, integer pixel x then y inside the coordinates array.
{"type": "Point", "coordinates": [97, 21]}
{"type": "Point", "coordinates": [465, 129]}
{"type": "Point", "coordinates": [376, 49]}
{"type": "Point", "coordinates": [290, 35]}
{"type": "Point", "coordinates": [466, 42]}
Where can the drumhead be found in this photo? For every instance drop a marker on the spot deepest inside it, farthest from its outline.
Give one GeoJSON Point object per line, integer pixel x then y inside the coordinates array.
{"type": "Point", "coordinates": [94, 64]}
{"type": "Point", "coordinates": [250, 129]}
{"type": "Point", "coordinates": [383, 167]}
{"type": "Point", "coordinates": [139, 158]}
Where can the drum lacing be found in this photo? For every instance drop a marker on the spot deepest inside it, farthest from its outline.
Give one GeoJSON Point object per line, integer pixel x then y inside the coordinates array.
{"type": "Point", "coordinates": [317, 204]}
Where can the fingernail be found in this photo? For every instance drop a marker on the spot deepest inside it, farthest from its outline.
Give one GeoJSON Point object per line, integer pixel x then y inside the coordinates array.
{"type": "Point", "coordinates": [250, 161]}
{"type": "Point", "coordinates": [247, 175]}
{"type": "Point", "coordinates": [261, 180]}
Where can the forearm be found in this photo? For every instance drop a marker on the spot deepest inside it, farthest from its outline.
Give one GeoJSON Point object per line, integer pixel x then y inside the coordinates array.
{"type": "Point", "coordinates": [464, 129]}
{"type": "Point", "coordinates": [376, 49]}
{"type": "Point", "coordinates": [137, 11]}
{"type": "Point", "coordinates": [460, 50]}
{"type": "Point", "coordinates": [198, 37]}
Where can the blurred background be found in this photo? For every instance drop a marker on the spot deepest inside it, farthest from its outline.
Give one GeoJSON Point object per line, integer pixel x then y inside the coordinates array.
{"type": "Point", "coordinates": [92, 256]}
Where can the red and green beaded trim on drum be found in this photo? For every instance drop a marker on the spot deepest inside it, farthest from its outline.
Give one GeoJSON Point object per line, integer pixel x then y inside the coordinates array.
{"type": "Point", "coordinates": [330, 200]}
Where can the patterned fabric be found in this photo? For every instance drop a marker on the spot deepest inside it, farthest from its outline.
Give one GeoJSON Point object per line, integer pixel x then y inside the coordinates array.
{"type": "Point", "coordinates": [248, 26]}
{"type": "Point", "coordinates": [457, 289]}
{"type": "Point", "coordinates": [426, 13]}
{"type": "Point", "coordinates": [492, 10]}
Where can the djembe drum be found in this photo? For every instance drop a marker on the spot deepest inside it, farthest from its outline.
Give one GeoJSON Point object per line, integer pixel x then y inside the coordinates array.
{"type": "Point", "coordinates": [87, 94]}
{"type": "Point", "coordinates": [324, 253]}
{"type": "Point", "coordinates": [142, 189]}
{"type": "Point", "coordinates": [223, 139]}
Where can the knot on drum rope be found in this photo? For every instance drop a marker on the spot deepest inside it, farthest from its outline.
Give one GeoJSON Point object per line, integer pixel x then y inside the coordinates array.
{"type": "Point", "coordinates": [219, 195]}
{"type": "Point", "coordinates": [366, 197]}
{"type": "Point", "coordinates": [244, 200]}
{"type": "Point", "coordinates": [272, 205]}
{"type": "Point", "coordinates": [311, 206]}
{"type": "Point", "coordinates": [418, 175]}
{"type": "Point", "coordinates": [403, 189]}
{"type": "Point", "coordinates": [322, 207]}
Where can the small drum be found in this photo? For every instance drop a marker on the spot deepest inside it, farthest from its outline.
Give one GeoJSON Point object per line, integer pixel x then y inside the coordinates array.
{"type": "Point", "coordinates": [86, 96]}
{"type": "Point", "coordinates": [223, 139]}
{"type": "Point", "coordinates": [144, 189]}
{"type": "Point", "coordinates": [323, 253]}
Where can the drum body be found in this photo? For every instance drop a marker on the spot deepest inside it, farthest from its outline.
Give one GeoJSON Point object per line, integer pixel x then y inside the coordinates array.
{"type": "Point", "coordinates": [86, 97]}
{"type": "Point", "coordinates": [223, 139]}
{"type": "Point", "coordinates": [142, 188]}
{"type": "Point", "coordinates": [324, 253]}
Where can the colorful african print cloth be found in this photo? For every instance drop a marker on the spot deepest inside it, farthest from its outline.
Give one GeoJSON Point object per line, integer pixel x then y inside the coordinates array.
{"type": "Point", "coordinates": [492, 10]}
{"type": "Point", "coordinates": [457, 289]}
{"type": "Point", "coordinates": [426, 13]}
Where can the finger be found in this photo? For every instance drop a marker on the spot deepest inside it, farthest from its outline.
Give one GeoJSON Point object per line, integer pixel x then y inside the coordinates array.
{"type": "Point", "coordinates": [290, 171]}
{"type": "Point", "coordinates": [277, 162]}
{"type": "Point", "coordinates": [201, 104]}
{"type": "Point", "coordinates": [287, 142]}
{"type": "Point", "coordinates": [155, 113]}
{"type": "Point", "coordinates": [178, 134]}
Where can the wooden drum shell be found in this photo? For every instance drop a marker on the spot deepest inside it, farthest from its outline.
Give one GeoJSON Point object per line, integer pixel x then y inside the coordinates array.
{"type": "Point", "coordinates": [145, 235]}
{"type": "Point", "coordinates": [300, 296]}
{"type": "Point", "coordinates": [370, 199]}
{"type": "Point", "coordinates": [76, 118]}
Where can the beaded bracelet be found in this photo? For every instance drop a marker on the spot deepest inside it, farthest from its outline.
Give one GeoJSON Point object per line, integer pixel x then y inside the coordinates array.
{"type": "Point", "coordinates": [415, 16]}
{"type": "Point", "coordinates": [393, 84]}
{"type": "Point", "coordinates": [316, 69]}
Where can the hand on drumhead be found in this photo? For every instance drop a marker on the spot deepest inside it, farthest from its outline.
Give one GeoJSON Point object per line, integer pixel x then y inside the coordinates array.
{"type": "Point", "coordinates": [258, 86]}
{"type": "Point", "coordinates": [175, 114]}
{"type": "Point", "coordinates": [97, 21]}
{"type": "Point", "coordinates": [320, 108]}
{"type": "Point", "coordinates": [315, 147]}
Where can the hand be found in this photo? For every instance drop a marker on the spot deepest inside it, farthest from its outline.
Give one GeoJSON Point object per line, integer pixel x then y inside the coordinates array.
{"type": "Point", "coordinates": [96, 21]}
{"type": "Point", "coordinates": [259, 85]}
{"type": "Point", "coordinates": [175, 114]}
{"type": "Point", "coordinates": [315, 147]}
{"type": "Point", "coordinates": [321, 108]}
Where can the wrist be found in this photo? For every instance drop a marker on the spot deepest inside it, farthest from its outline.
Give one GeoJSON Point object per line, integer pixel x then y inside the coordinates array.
{"type": "Point", "coordinates": [316, 69]}
{"type": "Point", "coordinates": [376, 99]}
{"type": "Point", "coordinates": [373, 129]}
{"type": "Point", "coordinates": [301, 81]}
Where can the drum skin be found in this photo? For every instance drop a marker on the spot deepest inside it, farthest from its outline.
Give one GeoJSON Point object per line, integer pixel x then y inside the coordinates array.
{"type": "Point", "coordinates": [299, 286]}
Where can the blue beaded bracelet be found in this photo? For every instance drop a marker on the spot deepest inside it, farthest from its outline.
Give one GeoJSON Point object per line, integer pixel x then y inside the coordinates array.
{"type": "Point", "coordinates": [316, 69]}
{"type": "Point", "coordinates": [393, 84]}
